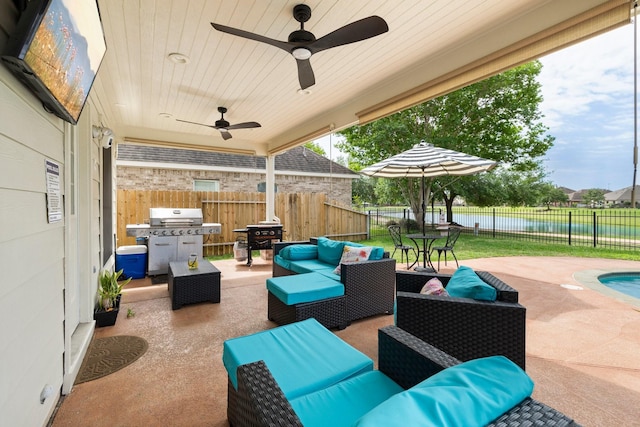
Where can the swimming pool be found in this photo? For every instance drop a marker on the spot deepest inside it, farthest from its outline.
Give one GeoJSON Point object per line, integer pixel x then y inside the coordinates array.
{"type": "Point", "coordinates": [628, 283]}
{"type": "Point", "coordinates": [628, 292]}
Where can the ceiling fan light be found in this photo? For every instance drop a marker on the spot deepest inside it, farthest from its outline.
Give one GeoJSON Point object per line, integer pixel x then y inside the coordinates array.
{"type": "Point", "coordinates": [301, 53]}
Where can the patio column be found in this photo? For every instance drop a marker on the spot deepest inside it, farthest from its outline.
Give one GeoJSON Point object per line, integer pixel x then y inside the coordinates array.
{"type": "Point", "coordinates": [270, 194]}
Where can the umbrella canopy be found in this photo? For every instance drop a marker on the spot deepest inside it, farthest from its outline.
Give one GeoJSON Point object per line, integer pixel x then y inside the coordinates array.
{"type": "Point", "coordinates": [426, 161]}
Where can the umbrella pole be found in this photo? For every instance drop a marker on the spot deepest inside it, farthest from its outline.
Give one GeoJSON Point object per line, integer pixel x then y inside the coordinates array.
{"type": "Point", "coordinates": [424, 207]}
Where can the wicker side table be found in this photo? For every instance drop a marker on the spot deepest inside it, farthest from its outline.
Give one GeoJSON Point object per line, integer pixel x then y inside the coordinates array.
{"type": "Point", "coordinates": [190, 286]}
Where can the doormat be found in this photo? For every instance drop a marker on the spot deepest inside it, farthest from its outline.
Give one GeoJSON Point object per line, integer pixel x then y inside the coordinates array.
{"type": "Point", "coordinates": [110, 354]}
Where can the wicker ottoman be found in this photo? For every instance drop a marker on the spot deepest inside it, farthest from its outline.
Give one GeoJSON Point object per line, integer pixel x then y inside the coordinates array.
{"type": "Point", "coordinates": [290, 299]}
{"type": "Point", "coordinates": [190, 286]}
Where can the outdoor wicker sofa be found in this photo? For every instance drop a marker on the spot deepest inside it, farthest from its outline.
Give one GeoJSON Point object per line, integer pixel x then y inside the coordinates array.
{"type": "Point", "coordinates": [369, 289]}
{"type": "Point", "coordinates": [407, 360]}
{"type": "Point", "coordinates": [465, 328]}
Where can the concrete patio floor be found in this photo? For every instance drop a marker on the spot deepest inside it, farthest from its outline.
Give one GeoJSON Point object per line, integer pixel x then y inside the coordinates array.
{"type": "Point", "coordinates": [583, 345]}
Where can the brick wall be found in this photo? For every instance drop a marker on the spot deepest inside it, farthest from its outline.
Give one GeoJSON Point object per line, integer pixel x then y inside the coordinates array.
{"type": "Point", "coordinates": [137, 178]}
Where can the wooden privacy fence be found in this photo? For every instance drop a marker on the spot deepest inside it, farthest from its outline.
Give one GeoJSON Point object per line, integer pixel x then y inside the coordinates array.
{"type": "Point", "coordinates": [303, 215]}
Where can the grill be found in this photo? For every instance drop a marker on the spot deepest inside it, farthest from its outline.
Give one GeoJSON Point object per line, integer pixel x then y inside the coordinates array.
{"type": "Point", "coordinates": [261, 236]}
{"type": "Point", "coordinates": [173, 235]}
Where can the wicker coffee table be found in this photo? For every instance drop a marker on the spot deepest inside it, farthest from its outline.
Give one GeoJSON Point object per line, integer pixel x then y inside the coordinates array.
{"type": "Point", "coordinates": [190, 286]}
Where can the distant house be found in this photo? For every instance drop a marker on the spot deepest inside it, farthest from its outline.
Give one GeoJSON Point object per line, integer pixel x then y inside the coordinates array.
{"type": "Point", "coordinates": [577, 197]}
{"type": "Point", "coordinates": [566, 190]}
{"type": "Point", "coordinates": [144, 167]}
{"type": "Point", "coordinates": [622, 196]}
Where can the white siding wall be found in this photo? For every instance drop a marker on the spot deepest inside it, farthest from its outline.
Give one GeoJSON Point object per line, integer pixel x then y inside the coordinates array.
{"type": "Point", "coordinates": [31, 258]}
{"type": "Point", "coordinates": [35, 350]}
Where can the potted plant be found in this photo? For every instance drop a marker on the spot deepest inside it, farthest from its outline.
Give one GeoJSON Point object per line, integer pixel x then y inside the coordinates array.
{"type": "Point", "coordinates": [109, 293]}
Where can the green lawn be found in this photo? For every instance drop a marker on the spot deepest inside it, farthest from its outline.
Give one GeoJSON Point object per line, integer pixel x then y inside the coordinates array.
{"type": "Point", "coordinates": [470, 247]}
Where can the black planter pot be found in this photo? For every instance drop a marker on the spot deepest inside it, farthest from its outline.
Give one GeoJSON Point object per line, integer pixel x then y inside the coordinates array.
{"type": "Point", "coordinates": [106, 318]}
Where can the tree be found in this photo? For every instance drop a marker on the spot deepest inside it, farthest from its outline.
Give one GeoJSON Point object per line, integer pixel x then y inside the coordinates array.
{"type": "Point", "coordinates": [315, 148]}
{"type": "Point", "coordinates": [593, 197]}
{"type": "Point", "coordinates": [509, 188]}
{"type": "Point", "coordinates": [550, 194]}
{"type": "Point", "coordinates": [498, 119]}
{"type": "Point", "coordinates": [387, 192]}
{"type": "Point", "coordinates": [363, 191]}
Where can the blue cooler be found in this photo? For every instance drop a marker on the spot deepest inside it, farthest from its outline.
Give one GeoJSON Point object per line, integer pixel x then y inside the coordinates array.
{"type": "Point", "coordinates": [132, 260]}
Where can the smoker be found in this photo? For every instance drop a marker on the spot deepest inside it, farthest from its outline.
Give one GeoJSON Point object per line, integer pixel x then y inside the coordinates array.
{"type": "Point", "coordinates": [260, 236]}
{"type": "Point", "coordinates": [173, 235]}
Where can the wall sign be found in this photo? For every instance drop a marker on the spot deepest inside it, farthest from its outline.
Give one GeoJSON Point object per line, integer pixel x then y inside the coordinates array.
{"type": "Point", "coordinates": [54, 198]}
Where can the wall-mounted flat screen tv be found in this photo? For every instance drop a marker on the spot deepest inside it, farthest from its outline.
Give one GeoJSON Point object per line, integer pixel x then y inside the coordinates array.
{"type": "Point", "coordinates": [56, 51]}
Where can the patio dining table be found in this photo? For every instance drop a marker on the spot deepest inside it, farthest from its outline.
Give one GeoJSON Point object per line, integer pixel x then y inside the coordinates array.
{"type": "Point", "coordinates": [427, 241]}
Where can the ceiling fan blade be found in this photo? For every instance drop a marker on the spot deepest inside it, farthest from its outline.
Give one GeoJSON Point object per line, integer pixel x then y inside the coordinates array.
{"type": "Point", "coordinates": [305, 73]}
{"type": "Point", "coordinates": [225, 134]}
{"type": "Point", "coordinates": [195, 123]}
{"type": "Point", "coordinates": [351, 33]}
{"type": "Point", "coordinates": [257, 37]}
{"type": "Point", "coordinates": [246, 125]}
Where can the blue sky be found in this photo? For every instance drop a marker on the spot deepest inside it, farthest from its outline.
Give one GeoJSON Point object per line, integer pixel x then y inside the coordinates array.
{"type": "Point", "coordinates": [588, 107]}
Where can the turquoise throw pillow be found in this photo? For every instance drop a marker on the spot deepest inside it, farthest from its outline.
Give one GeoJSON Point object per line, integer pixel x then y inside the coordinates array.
{"type": "Point", "coordinates": [330, 251]}
{"type": "Point", "coordinates": [473, 393]}
{"type": "Point", "coordinates": [377, 252]}
{"type": "Point", "coordinates": [465, 283]}
{"type": "Point", "coordinates": [299, 252]}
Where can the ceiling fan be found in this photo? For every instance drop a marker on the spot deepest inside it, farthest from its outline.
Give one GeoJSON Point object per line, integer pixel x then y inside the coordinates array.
{"type": "Point", "coordinates": [224, 126]}
{"type": "Point", "coordinates": [302, 44]}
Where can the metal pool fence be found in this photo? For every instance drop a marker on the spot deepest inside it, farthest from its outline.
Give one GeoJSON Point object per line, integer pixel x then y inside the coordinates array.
{"type": "Point", "coordinates": [603, 228]}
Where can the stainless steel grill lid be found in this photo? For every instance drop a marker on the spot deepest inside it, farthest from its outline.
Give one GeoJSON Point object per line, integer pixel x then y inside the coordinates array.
{"type": "Point", "coordinates": [169, 217]}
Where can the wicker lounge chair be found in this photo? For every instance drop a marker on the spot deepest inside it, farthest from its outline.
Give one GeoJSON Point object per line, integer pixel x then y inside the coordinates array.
{"type": "Point", "coordinates": [462, 327]}
{"type": "Point", "coordinates": [259, 401]}
{"type": "Point", "coordinates": [368, 286]}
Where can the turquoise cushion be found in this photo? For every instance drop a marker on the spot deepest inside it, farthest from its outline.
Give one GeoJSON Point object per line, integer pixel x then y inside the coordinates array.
{"type": "Point", "coordinates": [284, 263]}
{"type": "Point", "coordinates": [301, 288]}
{"type": "Point", "coordinates": [296, 355]}
{"type": "Point", "coordinates": [330, 274]}
{"type": "Point", "coordinates": [376, 253]}
{"type": "Point", "coordinates": [298, 252]}
{"type": "Point", "coordinates": [465, 283]}
{"type": "Point", "coordinates": [309, 266]}
{"type": "Point", "coordinates": [330, 251]}
{"type": "Point", "coordinates": [473, 393]}
{"type": "Point", "coordinates": [343, 403]}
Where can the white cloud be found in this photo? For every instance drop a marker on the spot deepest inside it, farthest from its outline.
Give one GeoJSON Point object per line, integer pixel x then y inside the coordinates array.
{"type": "Point", "coordinates": [588, 107]}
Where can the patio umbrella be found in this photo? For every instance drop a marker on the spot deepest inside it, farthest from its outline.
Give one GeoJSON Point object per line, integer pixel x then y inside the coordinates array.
{"type": "Point", "coordinates": [426, 161]}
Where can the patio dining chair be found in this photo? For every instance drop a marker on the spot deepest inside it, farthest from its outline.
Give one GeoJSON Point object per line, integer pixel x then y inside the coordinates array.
{"type": "Point", "coordinates": [452, 238]}
{"type": "Point", "coordinates": [396, 236]}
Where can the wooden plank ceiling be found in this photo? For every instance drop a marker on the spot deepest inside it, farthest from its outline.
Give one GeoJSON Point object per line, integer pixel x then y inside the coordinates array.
{"type": "Point", "coordinates": [140, 93]}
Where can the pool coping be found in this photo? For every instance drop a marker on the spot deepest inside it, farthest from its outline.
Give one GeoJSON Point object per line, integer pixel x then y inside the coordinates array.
{"type": "Point", "coordinates": [589, 278]}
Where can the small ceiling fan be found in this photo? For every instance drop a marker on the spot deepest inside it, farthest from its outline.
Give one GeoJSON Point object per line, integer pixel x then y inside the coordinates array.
{"type": "Point", "coordinates": [302, 44]}
{"type": "Point", "coordinates": [224, 126]}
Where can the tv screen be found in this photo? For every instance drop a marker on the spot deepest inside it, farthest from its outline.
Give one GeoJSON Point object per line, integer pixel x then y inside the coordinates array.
{"type": "Point", "coordinates": [56, 51]}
